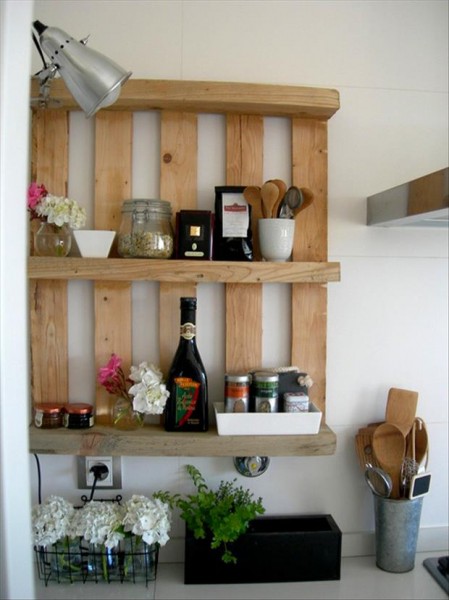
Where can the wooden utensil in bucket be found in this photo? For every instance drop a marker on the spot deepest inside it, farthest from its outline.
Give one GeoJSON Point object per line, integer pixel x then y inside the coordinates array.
{"type": "Point", "coordinates": [389, 449]}
{"type": "Point", "coordinates": [421, 444]}
{"type": "Point", "coordinates": [364, 447]}
{"type": "Point", "coordinates": [401, 408]}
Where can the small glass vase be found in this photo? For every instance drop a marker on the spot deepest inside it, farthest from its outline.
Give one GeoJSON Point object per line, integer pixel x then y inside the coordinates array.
{"type": "Point", "coordinates": [139, 560]}
{"type": "Point", "coordinates": [52, 240]}
{"type": "Point", "coordinates": [67, 560]}
{"type": "Point", "coordinates": [102, 563]}
{"type": "Point", "coordinates": [125, 417]}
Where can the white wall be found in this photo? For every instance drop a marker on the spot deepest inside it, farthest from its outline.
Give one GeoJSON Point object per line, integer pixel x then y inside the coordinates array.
{"type": "Point", "coordinates": [388, 316]}
{"type": "Point", "coordinates": [16, 569]}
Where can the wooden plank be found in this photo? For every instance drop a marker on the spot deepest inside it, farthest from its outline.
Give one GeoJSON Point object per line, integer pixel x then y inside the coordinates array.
{"type": "Point", "coordinates": [113, 155]}
{"type": "Point", "coordinates": [309, 169]}
{"type": "Point", "coordinates": [48, 327]}
{"type": "Point", "coordinates": [112, 300]}
{"type": "Point", "coordinates": [48, 300]}
{"type": "Point", "coordinates": [309, 301]}
{"type": "Point", "coordinates": [244, 160]}
{"type": "Point", "coordinates": [213, 97]}
{"type": "Point", "coordinates": [182, 271]}
{"type": "Point", "coordinates": [179, 165]}
{"type": "Point", "coordinates": [49, 150]}
{"type": "Point", "coordinates": [152, 440]}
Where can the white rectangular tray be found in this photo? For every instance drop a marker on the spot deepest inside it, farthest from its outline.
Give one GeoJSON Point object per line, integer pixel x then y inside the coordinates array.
{"type": "Point", "coordinates": [251, 423]}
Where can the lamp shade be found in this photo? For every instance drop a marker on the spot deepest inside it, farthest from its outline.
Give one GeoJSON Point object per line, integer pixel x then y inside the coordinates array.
{"type": "Point", "coordinates": [93, 79]}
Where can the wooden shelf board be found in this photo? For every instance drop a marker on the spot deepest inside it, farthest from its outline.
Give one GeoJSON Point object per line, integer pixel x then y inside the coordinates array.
{"type": "Point", "coordinates": [153, 440]}
{"type": "Point", "coordinates": [211, 97]}
{"type": "Point", "coordinates": [176, 271]}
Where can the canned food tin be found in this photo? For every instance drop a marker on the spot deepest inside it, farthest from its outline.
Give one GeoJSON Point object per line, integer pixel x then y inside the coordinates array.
{"type": "Point", "coordinates": [236, 392]}
{"type": "Point", "coordinates": [48, 416]}
{"type": "Point", "coordinates": [78, 416]}
{"type": "Point", "coordinates": [296, 402]}
{"type": "Point", "coordinates": [265, 391]}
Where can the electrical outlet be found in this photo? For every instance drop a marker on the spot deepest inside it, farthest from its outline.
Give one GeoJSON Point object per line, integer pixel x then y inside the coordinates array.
{"type": "Point", "coordinates": [113, 480]}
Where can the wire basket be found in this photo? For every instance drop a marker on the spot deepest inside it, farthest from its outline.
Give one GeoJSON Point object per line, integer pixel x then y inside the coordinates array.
{"type": "Point", "coordinates": [74, 561]}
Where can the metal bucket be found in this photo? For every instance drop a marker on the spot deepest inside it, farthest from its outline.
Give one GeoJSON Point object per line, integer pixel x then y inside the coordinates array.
{"type": "Point", "coordinates": [397, 527]}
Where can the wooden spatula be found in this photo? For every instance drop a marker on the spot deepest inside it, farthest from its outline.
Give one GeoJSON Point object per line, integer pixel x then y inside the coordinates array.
{"type": "Point", "coordinates": [401, 408]}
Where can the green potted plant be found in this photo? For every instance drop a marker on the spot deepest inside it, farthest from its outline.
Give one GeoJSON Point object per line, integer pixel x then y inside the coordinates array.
{"type": "Point", "coordinates": [229, 540]}
{"type": "Point", "coordinates": [219, 516]}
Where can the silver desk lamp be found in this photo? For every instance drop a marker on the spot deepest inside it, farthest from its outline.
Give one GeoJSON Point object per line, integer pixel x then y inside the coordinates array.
{"type": "Point", "coordinates": [93, 79]}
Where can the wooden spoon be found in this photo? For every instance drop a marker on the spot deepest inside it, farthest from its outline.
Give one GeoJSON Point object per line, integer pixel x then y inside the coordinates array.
{"type": "Point", "coordinates": [282, 187]}
{"type": "Point", "coordinates": [421, 444]}
{"type": "Point", "coordinates": [253, 196]}
{"type": "Point", "coordinates": [401, 408]}
{"type": "Point", "coordinates": [389, 448]}
{"type": "Point", "coordinates": [270, 195]}
{"type": "Point", "coordinates": [308, 197]}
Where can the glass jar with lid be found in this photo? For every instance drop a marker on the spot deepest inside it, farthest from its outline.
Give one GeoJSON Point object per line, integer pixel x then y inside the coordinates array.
{"type": "Point", "coordinates": [79, 415]}
{"type": "Point", "coordinates": [145, 229]}
{"type": "Point", "coordinates": [48, 415]}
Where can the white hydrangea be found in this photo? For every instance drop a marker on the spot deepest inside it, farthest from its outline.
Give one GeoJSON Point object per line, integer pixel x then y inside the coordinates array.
{"type": "Point", "coordinates": [150, 394]}
{"type": "Point", "coordinates": [51, 520]}
{"type": "Point", "coordinates": [61, 211]}
{"type": "Point", "coordinates": [150, 519]}
{"type": "Point", "coordinates": [99, 523]}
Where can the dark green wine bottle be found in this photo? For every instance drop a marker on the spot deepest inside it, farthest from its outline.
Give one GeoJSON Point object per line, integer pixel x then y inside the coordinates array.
{"type": "Point", "coordinates": [187, 406]}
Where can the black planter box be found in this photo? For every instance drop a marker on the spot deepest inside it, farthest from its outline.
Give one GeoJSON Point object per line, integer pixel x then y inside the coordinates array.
{"type": "Point", "coordinates": [292, 548]}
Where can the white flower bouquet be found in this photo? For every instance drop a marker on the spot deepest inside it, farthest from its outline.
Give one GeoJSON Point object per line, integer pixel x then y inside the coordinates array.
{"type": "Point", "coordinates": [100, 540]}
{"type": "Point", "coordinates": [56, 210]}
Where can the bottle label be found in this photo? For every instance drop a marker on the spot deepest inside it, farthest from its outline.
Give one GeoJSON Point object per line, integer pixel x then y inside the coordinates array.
{"type": "Point", "coordinates": [235, 216]}
{"type": "Point", "coordinates": [186, 397]}
{"type": "Point", "coordinates": [188, 331]}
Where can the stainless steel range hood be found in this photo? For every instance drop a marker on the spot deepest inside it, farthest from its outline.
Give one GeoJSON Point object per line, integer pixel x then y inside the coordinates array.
{"type": "Point", "coordinates": [422, 202]}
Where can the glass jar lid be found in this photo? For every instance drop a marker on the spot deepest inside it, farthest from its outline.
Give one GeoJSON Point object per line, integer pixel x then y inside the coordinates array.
{"type": "Point", "coordinates": [265, 376]}
{"type": "Point", "coordinates": [49, 407]}
{"type": "Point", "coordinates": [237, 377]}
{"type": "Point", "coordinates": [79, 408]}
{"type": "Point", "coordinates": [153, 206]}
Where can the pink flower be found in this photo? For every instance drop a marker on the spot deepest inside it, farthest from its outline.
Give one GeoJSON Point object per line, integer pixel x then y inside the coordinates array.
{"type": "Point", "coordinates": [112, 378]}
{"type": "Point", "coordinates": [35, 194]}
{"type": "Point", "coordinates": [110, 370]}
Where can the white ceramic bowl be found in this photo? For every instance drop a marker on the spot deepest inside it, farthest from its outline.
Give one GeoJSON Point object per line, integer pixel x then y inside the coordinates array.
{"type": "Point", "coordinates": [94, 243]}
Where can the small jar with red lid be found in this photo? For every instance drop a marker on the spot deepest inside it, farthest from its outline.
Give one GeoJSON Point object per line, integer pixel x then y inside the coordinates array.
{"type": "Point", "coordinates": [48, 415]}
{"type": "Point", "coordinates": [79, 415]}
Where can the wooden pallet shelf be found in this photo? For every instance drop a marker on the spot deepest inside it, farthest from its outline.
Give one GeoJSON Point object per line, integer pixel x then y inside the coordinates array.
{"type": "Point", "coordinates": [175, 271]}
{"type": "Point", "coordinates": [152, 440]}
{"type": "Point", "coordinates": [212, 97]}
{"type": "Point", "coordinates": [178, 105]}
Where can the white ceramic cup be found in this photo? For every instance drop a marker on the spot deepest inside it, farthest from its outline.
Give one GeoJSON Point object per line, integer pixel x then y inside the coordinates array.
{"type": "Point", "coordinates": [276, 238]}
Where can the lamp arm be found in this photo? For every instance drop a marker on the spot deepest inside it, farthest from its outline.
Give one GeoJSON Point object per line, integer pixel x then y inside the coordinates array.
{"type": "Point", "coordinates": [39, 49]}
{"type": "Point", "coordinates": [47, 73]}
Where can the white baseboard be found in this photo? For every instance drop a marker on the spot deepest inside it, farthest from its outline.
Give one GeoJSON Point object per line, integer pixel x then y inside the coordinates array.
{"type": "Point", "coordinates": [430, 539]}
